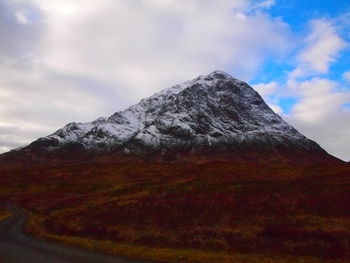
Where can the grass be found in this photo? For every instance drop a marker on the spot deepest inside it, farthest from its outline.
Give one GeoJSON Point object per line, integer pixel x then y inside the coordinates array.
{"type": "Point", "coordinates": [4, 214]}
{"type": "Point", "coordinates": [161, 254]}
{"type": "Point", "coordinates": [175, 255]}
{"type": "Point", "coordinates": [211, 212]}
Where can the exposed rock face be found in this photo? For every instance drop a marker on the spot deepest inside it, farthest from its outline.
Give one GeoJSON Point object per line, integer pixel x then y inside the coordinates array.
{"type": "Point", "coordinates": [214, 111]}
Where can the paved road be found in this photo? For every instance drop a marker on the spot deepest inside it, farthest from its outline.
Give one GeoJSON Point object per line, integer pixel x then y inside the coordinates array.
{"type": "Point", "coordinates": [17, 247]}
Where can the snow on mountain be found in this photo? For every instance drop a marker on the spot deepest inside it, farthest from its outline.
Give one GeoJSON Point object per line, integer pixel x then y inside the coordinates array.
{"type": "Point", "coordinates": [215, 111]}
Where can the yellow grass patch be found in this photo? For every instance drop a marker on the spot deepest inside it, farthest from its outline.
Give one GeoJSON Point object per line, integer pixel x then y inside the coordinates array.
{"type": "Point", "coordinates": [4, 213]}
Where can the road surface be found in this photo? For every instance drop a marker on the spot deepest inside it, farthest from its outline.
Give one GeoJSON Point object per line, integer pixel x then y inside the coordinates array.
{"type": "Point", "coordinates": [18, 247]}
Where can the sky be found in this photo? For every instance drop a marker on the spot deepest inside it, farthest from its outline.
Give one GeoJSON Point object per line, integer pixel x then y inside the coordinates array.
{"type": "Point", "coordinates": [64, 61]}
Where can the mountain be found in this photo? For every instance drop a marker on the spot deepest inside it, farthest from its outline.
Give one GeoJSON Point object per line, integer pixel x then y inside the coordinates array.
{"type": "Point", "coordinates": [241, 185]}
{"type": "Point", "coordinates": [211, 113]}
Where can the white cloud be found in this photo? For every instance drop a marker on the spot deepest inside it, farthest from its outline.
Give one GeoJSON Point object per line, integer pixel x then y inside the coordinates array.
{"type": "Point", "coordinates": [346, 76]}
{"type": "Point", "coordinates": [323, 45]}
{"type": "Point", "coordinates": [277, 109]}
{"type": "Point", "coordinates": [155, 44]}
{"type": "Point", "coordinates": [266, 89]}
{"type": "Point", "coordinates": [320, 115]}
{"type": "Point", "coordinates": [319, 99]}
{"type": "Point", "coordinates": [29, 109]}
{"type": "Point", "coordinates": [263, 5]}
{"type": "Point", "coordinates": [157, 41]}
{"type": "Point", "coordinates": [21, 18]}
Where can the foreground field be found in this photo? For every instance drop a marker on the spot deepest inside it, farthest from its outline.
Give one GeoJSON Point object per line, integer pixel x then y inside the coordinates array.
{"type": "Point", "coordinates": [203, 212]}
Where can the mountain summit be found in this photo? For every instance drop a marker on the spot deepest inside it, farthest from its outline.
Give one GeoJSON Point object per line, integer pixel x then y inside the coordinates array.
{"type": "Point", "coordinates": [211, 112]}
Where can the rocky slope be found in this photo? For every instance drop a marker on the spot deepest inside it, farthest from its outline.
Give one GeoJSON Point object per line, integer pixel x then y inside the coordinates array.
{"type": "Point", "coordinates": [214, 111]}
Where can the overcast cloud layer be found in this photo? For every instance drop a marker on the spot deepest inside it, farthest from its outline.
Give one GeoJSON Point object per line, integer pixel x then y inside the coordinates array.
{"type": "Point", "coordinates": [64, 61]}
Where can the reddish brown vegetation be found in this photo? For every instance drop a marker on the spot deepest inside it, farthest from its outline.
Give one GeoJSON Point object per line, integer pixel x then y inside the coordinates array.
{"type": "Point", "coordinates": [270, 208]}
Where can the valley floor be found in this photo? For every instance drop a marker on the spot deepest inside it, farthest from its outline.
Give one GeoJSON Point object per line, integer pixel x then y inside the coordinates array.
{"type": "Point", "coordinates": [204, 212]}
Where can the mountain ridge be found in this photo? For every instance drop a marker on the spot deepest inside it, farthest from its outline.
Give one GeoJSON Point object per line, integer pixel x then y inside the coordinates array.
{"type": "Point", "coordinates": [213, 112]}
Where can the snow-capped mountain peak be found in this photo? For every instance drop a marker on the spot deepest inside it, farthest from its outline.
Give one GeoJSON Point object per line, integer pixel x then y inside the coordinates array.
{"type": "Point", "coordinates": [210, 111]}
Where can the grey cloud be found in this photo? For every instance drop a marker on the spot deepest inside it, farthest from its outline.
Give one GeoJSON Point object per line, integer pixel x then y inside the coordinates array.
{"type": "Point", "coordinates": [14, 136]}
{"type": "Point", "coordinates": [332, 133]}
{"type": "Point", "coordinates": [20, 41]}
